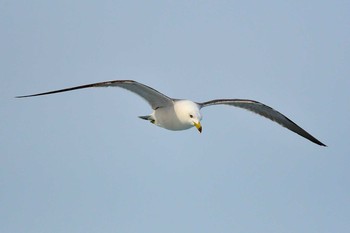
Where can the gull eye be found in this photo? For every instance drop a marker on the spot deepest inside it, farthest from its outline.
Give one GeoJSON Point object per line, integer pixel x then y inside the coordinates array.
{"type": "Point", "coordinates": [191, 115]}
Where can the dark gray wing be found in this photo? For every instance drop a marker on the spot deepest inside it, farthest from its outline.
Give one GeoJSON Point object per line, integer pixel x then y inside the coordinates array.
{"type": "Point", "coordinates": [264, 111]}
{"type": "Point", "coordinates": [152, 96]}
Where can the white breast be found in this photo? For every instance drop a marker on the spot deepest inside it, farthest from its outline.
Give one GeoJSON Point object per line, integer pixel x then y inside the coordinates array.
{"type": "Point", "coordinates": [175, 117]}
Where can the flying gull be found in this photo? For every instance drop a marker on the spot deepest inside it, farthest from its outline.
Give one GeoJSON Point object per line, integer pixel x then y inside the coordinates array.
{"type": "Point", "coordinates": [180, 114]}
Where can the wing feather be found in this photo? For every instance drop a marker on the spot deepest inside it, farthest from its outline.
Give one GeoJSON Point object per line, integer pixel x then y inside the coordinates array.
{"type": "Point", "coordinates": [265, 111]}
{"type": "Point", "coordinates": [152, 96]}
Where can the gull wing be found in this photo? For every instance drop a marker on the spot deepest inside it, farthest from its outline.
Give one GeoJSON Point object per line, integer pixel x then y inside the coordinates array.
{"type": "Point", "coordinates": [264, 111]}
{"type": "Point", "coordinates": [152, 96]}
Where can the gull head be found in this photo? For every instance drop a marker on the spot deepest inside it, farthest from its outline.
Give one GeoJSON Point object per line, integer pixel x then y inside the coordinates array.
{"type": "Point", "coordinates": [188, 113]}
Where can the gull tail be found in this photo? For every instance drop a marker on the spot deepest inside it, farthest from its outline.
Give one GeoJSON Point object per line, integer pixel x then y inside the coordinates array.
{"type": "Point", "coordinates": [148, 118]}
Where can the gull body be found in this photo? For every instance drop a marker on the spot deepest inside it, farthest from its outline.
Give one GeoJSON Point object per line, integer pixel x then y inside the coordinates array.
{"type": "Point", "coordinates": [177, 114]}
{"type": "Point", "coordinates": [183, 114]}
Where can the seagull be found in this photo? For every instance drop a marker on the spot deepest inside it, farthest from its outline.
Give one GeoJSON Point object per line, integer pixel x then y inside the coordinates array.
{"type": "Point", "coordinates": [182, 114]}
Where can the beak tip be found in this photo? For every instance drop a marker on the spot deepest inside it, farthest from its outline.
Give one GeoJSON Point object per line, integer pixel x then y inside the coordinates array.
{"type": "Point", "coordinates": [198, 126]}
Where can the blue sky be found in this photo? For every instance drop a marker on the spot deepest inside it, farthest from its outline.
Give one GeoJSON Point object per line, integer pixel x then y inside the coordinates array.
{"type": "Point", "coordinates": [83, 162]}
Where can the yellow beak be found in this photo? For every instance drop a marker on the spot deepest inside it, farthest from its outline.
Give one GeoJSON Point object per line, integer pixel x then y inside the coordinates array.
{"type": "Point", "coordinates": [198, 126]}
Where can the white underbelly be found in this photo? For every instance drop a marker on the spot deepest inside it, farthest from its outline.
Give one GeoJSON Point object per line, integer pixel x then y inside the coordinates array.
{"type": "Point", "coordinates": [166, 118]}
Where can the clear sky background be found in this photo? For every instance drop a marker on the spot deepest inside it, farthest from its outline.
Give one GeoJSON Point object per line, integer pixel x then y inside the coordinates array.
{"type": "Point", "coordinates": [83, 162]}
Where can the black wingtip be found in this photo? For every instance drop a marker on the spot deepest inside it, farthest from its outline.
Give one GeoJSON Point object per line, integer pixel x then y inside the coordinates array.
{"type": "Point", "coordinates": [25, 96]}
{"type": "Point", "coordinates": [312, 139]}
{"type": "Point", "coordinates": [323, 145]}
{"type": "Point", "coordinates": [318, 142]}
